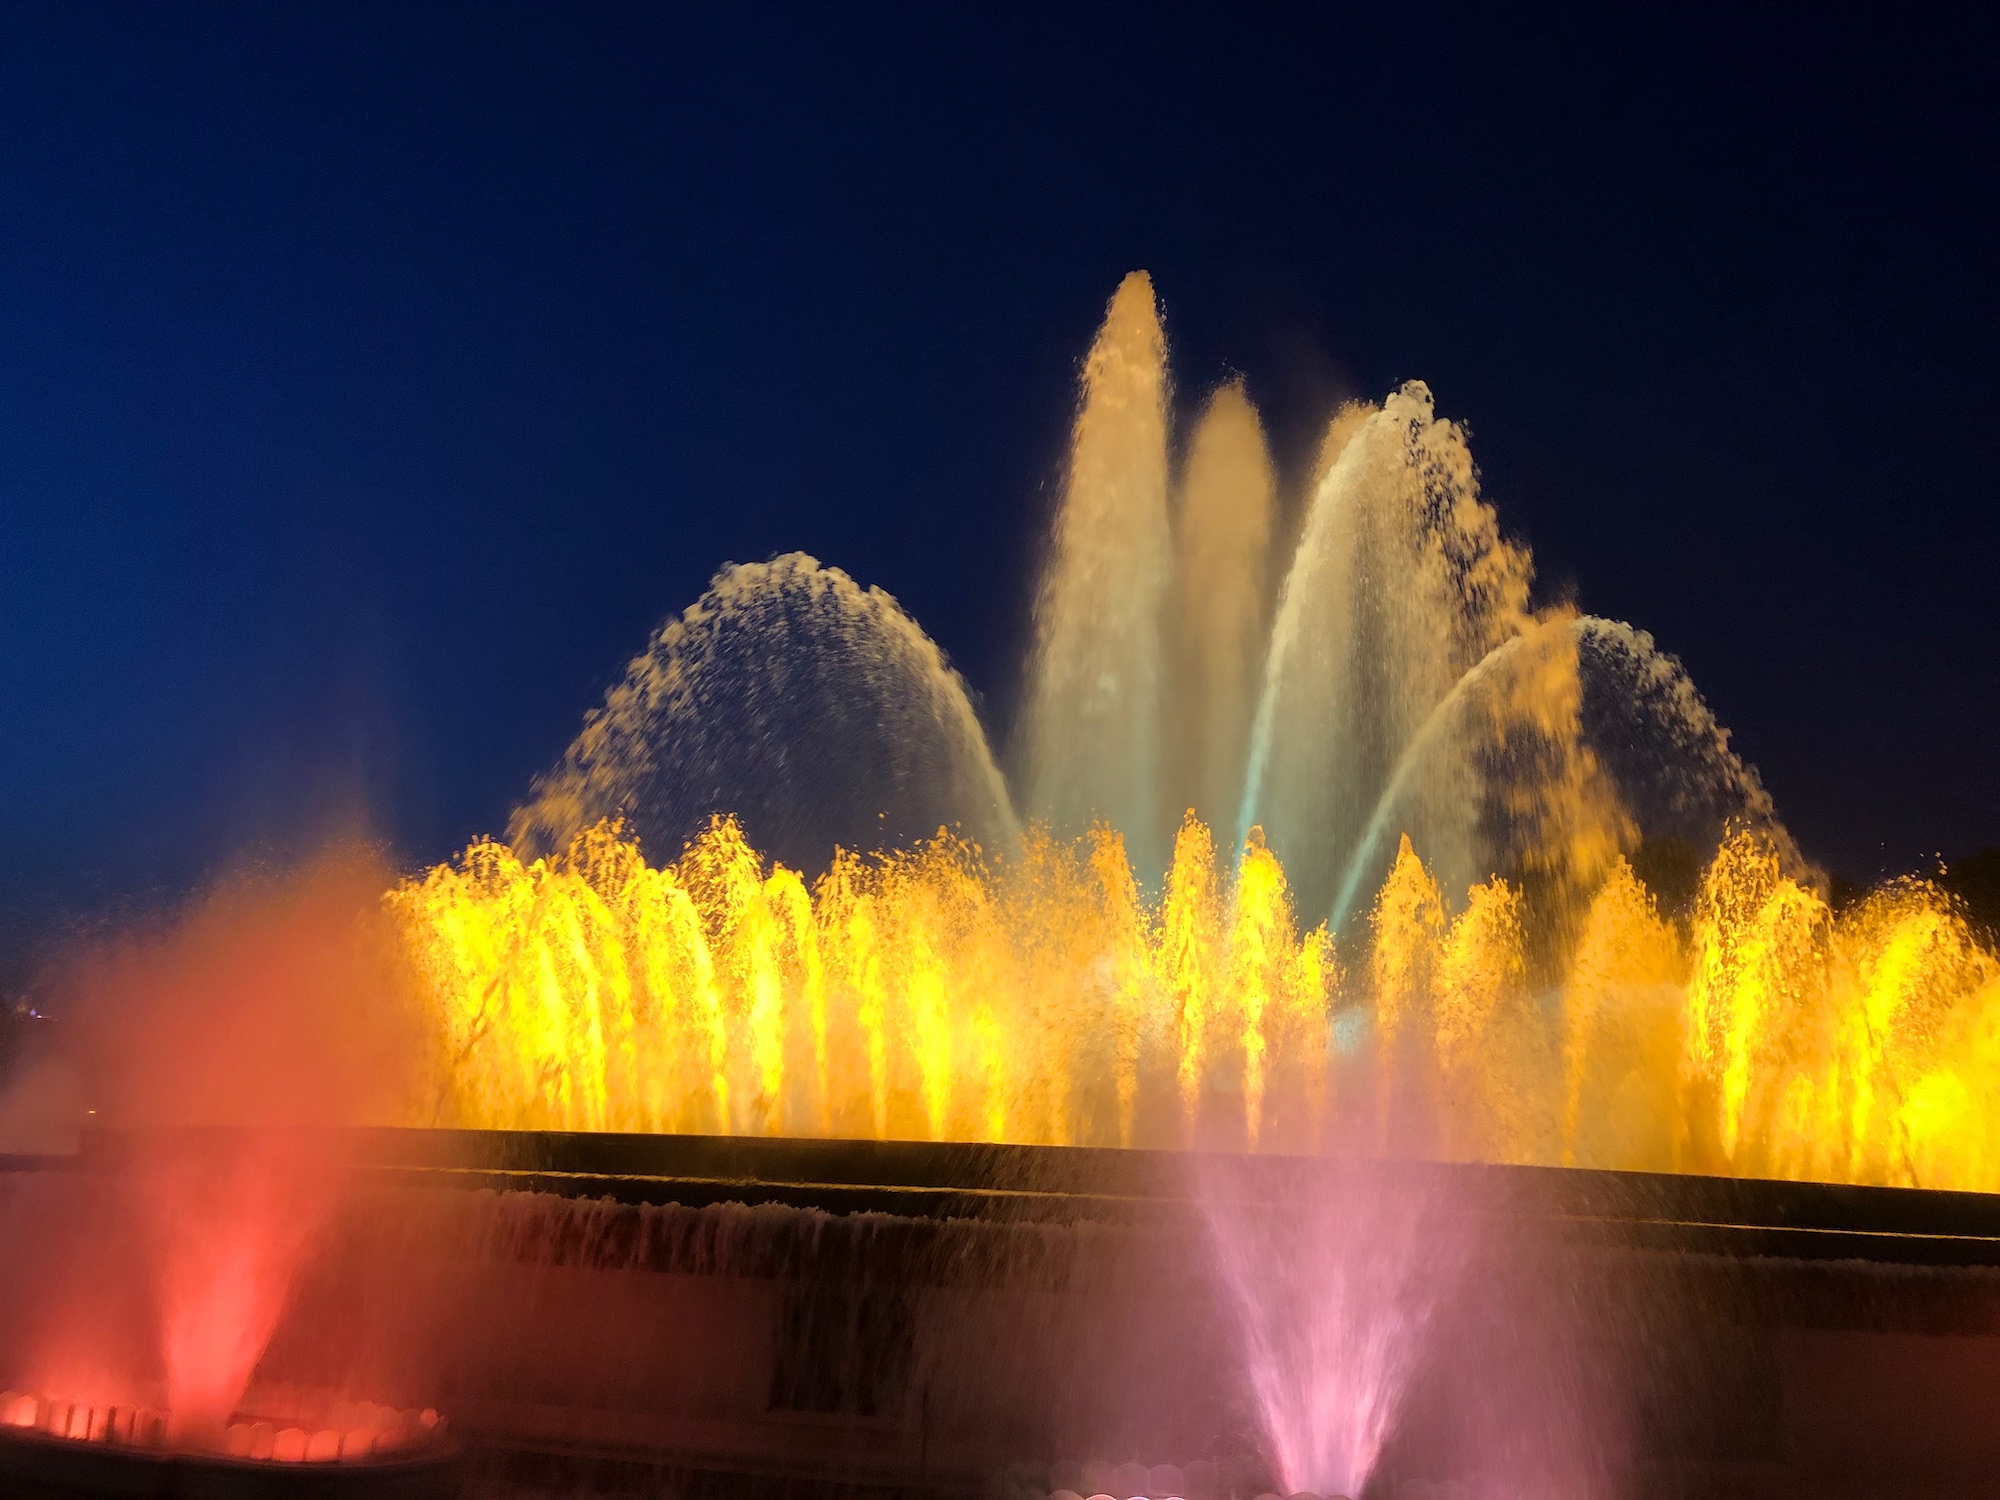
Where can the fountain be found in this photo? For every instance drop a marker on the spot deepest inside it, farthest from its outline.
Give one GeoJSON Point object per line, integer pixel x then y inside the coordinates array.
{"type": "Point", "coordinates": [1370, 986]}
{"type": "Point", "coordinates": [155, 1294]}
{"type": "Point", "coordinates": [1489, 859]}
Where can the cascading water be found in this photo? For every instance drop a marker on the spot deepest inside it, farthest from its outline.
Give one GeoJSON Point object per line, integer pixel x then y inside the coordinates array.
{"type": "Point", "coordinates": [1398, 718]}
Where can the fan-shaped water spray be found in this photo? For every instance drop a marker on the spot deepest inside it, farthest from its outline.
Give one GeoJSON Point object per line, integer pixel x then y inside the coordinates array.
{"type": "Point", "coordinates": [813, 710]}
{"type": "Point", "coordinates": [1334, 1298]}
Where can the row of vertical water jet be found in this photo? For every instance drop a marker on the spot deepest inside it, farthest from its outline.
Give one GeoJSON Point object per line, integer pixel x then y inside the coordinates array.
{"type": "Point", "coordinates": [1045, 1000]}
{"type": "Point", "coordinates": [359, 1431]}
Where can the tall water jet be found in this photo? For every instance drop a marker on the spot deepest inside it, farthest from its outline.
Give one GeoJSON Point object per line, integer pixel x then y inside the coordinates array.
{"type": "Point", "coordinates": [815, 711]}
{"type": "Point", "coordinates": [1400, 586]}
{"type": "Point", "coordinates": [1092, 729]}
{"type": "Point", "coordinates": [1220, 605]}
{"type": "Point", "coordinates": [226, 1236]}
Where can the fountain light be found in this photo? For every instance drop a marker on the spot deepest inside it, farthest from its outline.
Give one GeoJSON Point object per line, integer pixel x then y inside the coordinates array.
{"type": "Point", "coordinates": [366, 1433]}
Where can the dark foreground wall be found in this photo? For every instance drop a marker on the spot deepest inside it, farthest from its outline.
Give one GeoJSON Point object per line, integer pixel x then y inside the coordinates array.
{"type": "Point", "coordinates": [907, 1317]}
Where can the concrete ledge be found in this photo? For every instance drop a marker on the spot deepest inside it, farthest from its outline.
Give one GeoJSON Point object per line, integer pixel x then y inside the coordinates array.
{"type": "Point", "coordinates": [1066, 1184]}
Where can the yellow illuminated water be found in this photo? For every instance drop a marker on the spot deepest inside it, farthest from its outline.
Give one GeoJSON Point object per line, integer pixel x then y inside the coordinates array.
{"type": "Point", "coordinates": [1333, 841]}
{"type": "Point", "coordinates": [933, 994]}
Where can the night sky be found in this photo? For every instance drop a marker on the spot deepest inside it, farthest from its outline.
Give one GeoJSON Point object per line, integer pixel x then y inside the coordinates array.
{"type": "Point", "coordinates": [373, 379]}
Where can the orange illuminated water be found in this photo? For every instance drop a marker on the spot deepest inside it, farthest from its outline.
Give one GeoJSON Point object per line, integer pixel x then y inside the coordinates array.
{"type": "Point", "coordinates": [1044, 998]}
{"type": "Point", "coordinates": [1338, 850]}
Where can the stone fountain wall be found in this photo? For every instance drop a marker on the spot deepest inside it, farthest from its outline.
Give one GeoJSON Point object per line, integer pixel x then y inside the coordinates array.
{"type": "Point", "coordinates": [682, 1307]}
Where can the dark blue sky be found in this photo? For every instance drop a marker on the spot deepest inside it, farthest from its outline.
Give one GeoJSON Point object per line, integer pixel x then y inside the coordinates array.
{"type": "Point", "coordinates": [373, 378]}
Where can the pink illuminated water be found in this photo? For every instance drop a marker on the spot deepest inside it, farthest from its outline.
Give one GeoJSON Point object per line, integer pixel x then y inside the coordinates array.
{"type": "Point", "coordinates": [1335, 1293]}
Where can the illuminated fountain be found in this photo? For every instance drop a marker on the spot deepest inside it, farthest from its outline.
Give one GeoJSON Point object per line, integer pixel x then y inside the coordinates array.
{"type": "Point", "coordinates": [1358, 863]}
{"type": "Point", "coordinates": [1325, 846]}
{"type": "Point", "coordinates": [1356, 853]}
